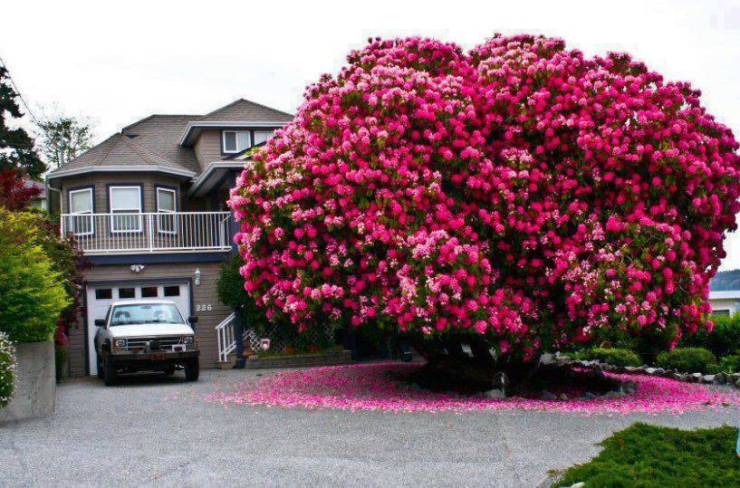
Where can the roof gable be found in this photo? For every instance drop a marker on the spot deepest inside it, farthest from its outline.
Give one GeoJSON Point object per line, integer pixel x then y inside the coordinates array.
{"type": "Point", "coordinates": [244, 110]}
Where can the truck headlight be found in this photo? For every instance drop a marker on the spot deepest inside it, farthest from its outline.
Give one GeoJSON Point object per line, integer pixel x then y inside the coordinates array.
{"type": "Point", "coordinates": [187, 340]}
{"type": "Point", "coordinates": [119, 343]}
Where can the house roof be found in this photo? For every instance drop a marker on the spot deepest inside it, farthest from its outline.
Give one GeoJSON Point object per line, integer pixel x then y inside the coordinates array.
{"type": "Point", "coordinates": [247, 110]}
{"type": "Point", "coordinates": [239, 113]}
{"type": "Point", "coordinates": [155, 143]}
{"type": "Point", "coordinates": [724, 295]}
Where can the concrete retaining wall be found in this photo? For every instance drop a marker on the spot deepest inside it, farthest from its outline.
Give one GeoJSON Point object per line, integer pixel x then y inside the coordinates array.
{"type": "Point", "coordinates": [35, 383]}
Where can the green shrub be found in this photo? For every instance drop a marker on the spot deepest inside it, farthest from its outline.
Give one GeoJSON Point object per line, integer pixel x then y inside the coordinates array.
{"type": "Point", "coordinates": [722, 341]}
{"type": "Point", "coordinates": [687, 359]}
{"type": "Point", "coordinates": [648, 456]}
{"type": "Point", "coordinates": [32, 293]}
{"type": "Point", "coordinates": [7, 369]}
{"type": "Point", "coordinates": [729, 364]}
{"type": "Point", "coordinates": [613, 356]}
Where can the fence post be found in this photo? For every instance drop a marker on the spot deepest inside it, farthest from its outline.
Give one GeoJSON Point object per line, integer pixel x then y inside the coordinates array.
{"type": "Point", "coordinates": [151, 232]}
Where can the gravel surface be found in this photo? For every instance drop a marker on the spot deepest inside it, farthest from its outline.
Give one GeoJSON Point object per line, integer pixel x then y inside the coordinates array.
{"type": "Point", "coordinates": [158, 431]}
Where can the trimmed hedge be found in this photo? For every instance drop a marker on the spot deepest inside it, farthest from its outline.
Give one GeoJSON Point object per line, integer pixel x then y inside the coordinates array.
{"type": "Point", "coordinates": [729, 364]}
{"type": "Point", "coordinates": [688, 360]}
{"type": "Point", "coordinates": [7, 369]}
{"type": "Point", "coordinates": [722, 341]}
{"type": "Point", "coordinates": [648, 456]}
{"type": "Point", "coordinates": [614, 356]}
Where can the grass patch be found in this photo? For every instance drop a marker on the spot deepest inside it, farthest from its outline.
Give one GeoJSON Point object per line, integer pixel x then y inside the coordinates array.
{"type": "Point", "coordinates": [647, 456]}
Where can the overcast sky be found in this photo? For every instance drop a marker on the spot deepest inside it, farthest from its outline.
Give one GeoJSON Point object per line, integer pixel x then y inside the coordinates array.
{"type": "Point", "coordinates": [116, 62]}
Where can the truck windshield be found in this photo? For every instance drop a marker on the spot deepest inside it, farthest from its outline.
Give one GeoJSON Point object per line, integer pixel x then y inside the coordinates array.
{"type": "Point", "coordinates": [145, 313]}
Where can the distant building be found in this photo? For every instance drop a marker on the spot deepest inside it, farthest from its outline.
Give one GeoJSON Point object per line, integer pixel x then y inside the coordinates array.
{"type": "Point", "coordinates": [726, 302]}
{"type": "Point", "coordinates": [39, 201]}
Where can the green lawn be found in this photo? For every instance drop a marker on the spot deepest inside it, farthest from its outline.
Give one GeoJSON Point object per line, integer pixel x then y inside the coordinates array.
{"type": "Point", "coordinates": [648, 456]}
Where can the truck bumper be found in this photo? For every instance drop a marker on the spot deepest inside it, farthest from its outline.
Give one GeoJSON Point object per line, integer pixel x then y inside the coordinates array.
{"type": "Point", "coordinates": [152, 360]}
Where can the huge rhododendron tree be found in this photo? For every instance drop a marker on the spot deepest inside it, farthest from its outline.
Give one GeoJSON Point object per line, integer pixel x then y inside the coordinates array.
{"type": "Point", "coordinates": [520, 194]}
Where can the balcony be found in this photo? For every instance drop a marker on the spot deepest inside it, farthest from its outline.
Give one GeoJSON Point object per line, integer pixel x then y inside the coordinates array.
{"type": "Point", "coordinates": [138, 233]}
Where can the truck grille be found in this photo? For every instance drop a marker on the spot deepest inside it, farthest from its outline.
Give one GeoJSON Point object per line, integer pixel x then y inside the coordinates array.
{"type": "Point", "coordinates": [137, 344]}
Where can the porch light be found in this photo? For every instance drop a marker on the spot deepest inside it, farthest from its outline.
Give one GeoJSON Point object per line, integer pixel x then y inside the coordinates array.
{"type": "Point", "coordinates": [197, 276]}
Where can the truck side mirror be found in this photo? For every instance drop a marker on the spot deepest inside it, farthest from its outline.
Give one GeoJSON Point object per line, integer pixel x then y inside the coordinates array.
{"type": "Point", "coordinates": [99, 322]}
{"type": "Point", "coordinates": [192, 320]}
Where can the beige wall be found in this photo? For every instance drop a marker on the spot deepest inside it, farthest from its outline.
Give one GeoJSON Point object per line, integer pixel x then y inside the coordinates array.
{"type": "Point", "coordinates": [208, 147]}
{"type": "Point", "coordinates": [101, 181]}
{"type": "Point", "coordinates": [731, 304]}
{"type": "Point", "coordinates": [203, 294]}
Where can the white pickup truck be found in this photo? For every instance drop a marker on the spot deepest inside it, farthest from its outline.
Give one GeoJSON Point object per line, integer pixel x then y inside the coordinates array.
{"type": "Point", "coordinates": [145, 336]}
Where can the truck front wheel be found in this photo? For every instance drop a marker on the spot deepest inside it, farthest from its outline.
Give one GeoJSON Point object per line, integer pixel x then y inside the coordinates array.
{"type": "Point", "coordinates": [192, 370]}
{"type": "Point", "coordinates": [109, 373]}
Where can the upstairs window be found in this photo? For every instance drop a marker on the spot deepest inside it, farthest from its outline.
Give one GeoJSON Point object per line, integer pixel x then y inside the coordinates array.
{"type": "Point", "coordinates": [125, 209]}
{"type": "Point", "coordinates": [81, 209]}
{"type": "Point", "coordinates": [261, 136]}
{"type": "Point", "coordinates": [166, 207]}
{"type": "Point", "coordinates": [236, 141]}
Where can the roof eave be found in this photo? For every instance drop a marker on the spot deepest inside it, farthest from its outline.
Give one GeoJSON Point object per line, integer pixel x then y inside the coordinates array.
{"type": "Point", "coordinates": [212, 174]}
{"type": "Point", "coordinates": [148, 168]}
{"type": "Point", "coordinates": [188, 136]}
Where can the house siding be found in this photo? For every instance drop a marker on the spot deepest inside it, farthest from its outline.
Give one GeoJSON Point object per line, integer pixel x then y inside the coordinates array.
{"type": "Point", "coordinates": [204, 294]}
{"type": "Point", "coordinates": [102, 181]}
{"type": "Point", "coordinates": [208, 147]}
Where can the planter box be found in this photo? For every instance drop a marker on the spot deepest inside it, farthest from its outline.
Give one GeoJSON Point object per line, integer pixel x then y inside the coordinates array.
{"type": "Point", "coordinates": [300, 361]}
{"type": "Point", "coordinates": [35, 383]}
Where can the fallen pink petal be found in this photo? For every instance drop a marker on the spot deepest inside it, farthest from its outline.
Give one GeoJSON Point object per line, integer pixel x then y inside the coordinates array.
{"type": "Point", "coordinates": [372, 387]}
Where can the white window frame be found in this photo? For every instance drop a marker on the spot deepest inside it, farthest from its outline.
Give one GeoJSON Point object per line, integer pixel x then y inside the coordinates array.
{"type": "Point", "coordinates": [75, 215]}
{"type": "Point", "coordinates": [236, 141]}
{"type": "Point", "coordinates": [124, 210]}
{"type": "Point", "coordinates": [166, 211]}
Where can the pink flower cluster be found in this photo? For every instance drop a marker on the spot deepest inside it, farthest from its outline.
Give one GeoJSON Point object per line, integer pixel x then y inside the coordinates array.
{"type": "Point", "coordinates": [371, 387]}
{"type": "Point", "coordinates": [520, 190]}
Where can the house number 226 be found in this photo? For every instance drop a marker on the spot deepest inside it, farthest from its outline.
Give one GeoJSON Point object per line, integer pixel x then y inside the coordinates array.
{"type": "Point", "coordinates": [203, 307]}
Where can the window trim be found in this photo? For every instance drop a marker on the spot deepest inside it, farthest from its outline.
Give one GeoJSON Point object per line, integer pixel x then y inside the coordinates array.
{"type": "Point", "coordinates": [236, 140]}
{"type": "Point", "coordinates": [80, 189]}
{"type": "Point", "coordinates": [172, 190]}
{"type": "Point", "coordinates": [112, 211]}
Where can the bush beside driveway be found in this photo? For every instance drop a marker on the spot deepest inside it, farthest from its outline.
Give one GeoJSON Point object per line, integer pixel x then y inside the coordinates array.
{"type": "Point", "coordinates": [162, 432]}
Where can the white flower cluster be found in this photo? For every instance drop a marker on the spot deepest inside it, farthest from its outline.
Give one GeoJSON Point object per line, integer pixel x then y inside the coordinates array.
{"type": "Point", "coordinates": [7, 369]}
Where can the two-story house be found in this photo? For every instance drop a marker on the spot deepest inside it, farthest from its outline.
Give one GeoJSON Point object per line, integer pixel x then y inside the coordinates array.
{"type": "Point", "coordinates": [148, 207]}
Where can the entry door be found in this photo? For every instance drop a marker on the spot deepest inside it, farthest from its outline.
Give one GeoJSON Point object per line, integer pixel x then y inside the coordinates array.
{"type": "Point", "coordinates": [100, 297]}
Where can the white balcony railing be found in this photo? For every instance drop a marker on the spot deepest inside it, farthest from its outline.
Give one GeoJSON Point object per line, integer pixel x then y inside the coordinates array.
{"type": "Point", "coordinates": [122, 233]}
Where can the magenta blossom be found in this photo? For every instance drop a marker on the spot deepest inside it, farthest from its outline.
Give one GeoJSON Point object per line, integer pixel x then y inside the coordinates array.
{"type": "Point", "coordinates": [520, 191]}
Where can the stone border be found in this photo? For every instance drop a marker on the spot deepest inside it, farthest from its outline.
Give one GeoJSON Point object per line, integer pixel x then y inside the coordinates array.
{"type": "Point", "coordinates": [300, 360]}
{"type": "Point", "coordinates": [729, 379]}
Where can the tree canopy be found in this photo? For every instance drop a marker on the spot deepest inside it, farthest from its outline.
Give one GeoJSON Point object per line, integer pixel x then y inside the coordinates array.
{"type": "Point", "coordinates": [16, 146]}
{"type": "Point", "coordinates": [520, 192]}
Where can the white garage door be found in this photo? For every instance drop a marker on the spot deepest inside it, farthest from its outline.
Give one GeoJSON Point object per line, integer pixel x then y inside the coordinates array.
{"type": "Point", "coordinates": [99, 297]}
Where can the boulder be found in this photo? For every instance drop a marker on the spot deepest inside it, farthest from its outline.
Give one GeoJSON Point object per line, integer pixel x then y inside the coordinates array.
{"type": "Point", "coordinates": [720, 378]}
{"type": "Point", "coordinates": [546, 395]}
{"type": "Point", "coordinates": [707, 378]}
{"type": "Point", "coordinates": [547, 359]}
{"type": "Point", "coordinates": [563, 396]}
{"type": "Point", "coordinates": [696, 377]}
{"type": "Point", "coordinates": [495, 394]}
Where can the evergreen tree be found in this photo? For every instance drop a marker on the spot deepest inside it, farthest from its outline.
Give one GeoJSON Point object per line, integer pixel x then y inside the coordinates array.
{"type": "Point", "coordinates": [16, 146]}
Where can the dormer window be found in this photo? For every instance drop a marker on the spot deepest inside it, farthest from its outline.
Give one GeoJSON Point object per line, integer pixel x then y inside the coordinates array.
{"type": "Point", "coordinates": [236, 141]}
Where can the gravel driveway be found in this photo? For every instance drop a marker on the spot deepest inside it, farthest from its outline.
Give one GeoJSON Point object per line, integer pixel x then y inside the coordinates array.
{"type": "Point", "coordinates": [161, 432]}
